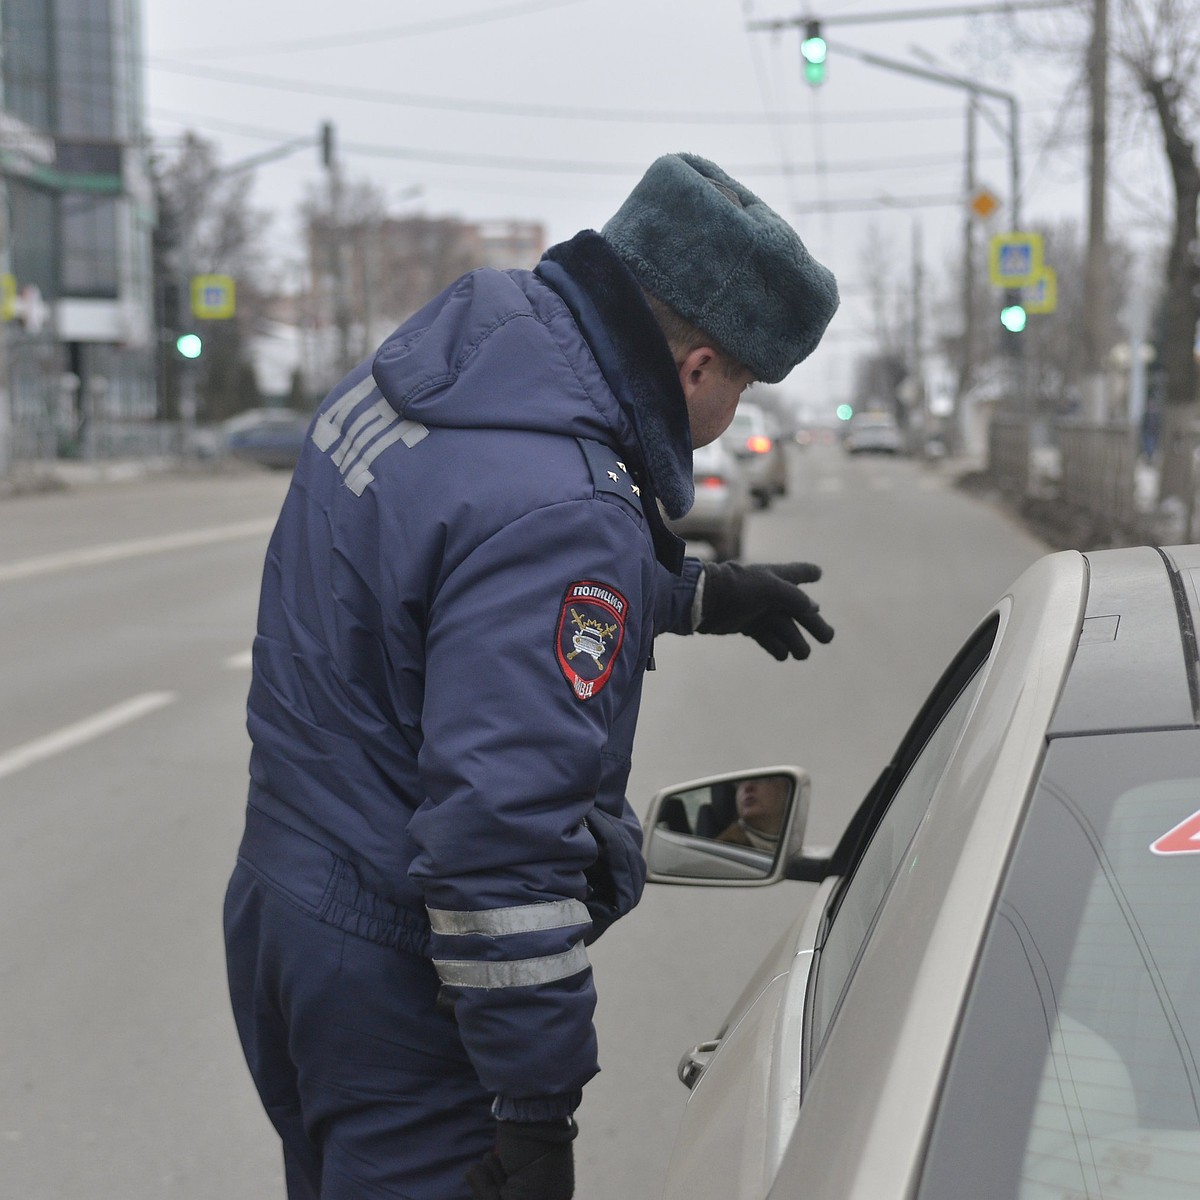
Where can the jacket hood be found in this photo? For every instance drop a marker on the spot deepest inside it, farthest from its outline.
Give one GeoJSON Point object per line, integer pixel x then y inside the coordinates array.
{"type": "Point", "coordinates": [498, 350]}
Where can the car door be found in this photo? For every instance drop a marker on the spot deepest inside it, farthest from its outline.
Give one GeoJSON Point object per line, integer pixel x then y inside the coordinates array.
{"type": "Point", "coordinates": [747, 1083]}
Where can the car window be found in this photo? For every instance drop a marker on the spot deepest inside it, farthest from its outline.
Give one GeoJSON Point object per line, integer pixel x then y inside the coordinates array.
{"type": "Point", "coordinates": [1078, 1051]}
{"type": "Point", "coordinates": [868, 884]}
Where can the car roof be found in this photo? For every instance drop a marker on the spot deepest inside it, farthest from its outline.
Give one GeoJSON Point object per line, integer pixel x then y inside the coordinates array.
{"type": "Point", "coordinates": [1135, 663]}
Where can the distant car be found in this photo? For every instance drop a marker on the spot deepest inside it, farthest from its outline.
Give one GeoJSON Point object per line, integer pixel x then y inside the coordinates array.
{"type": "Point", "coordinates": [754, 439]}
{"type": "Point", "coordinates": [994, 993]}
{"type": "Point", "coordinates": [718, 515]}
{"type": "Point", "coordinates": [271, 437]}
{"type": "Point", "coordinates": [873, 433]}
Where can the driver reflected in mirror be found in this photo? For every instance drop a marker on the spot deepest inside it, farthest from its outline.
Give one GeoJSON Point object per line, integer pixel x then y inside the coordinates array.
{"type": "Point", "coordinates": [762, 805]}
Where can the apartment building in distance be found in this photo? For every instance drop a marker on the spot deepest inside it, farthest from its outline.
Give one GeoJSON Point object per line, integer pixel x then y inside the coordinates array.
{"type": "Point", "coordinates": [77, 224]}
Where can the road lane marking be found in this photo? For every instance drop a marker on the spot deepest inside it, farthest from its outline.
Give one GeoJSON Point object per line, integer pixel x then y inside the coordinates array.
{"type": "Point", "coordinates": [240, 662]}
{"type": "Point", "coordinates": [135, 548]}
{"type": "Point", "coordinates": [86, 730]}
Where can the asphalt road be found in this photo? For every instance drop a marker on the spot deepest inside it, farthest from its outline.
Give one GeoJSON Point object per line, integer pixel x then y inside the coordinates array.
{"type": "Point", "coordinates": [126, 613]}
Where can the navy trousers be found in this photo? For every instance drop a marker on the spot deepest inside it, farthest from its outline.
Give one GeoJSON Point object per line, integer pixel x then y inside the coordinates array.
{"type": "Point", "coordinates": [365, 1080]}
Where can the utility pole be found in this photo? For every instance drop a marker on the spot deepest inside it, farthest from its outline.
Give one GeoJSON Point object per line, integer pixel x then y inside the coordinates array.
{"type": "Point", "coordinates": [920, 401]}
{"type": "Point", "coordinates": [967, 361]}
{"type": "Point", "coordinates": [341, 298]}
{"type": "Point", "coordinates": [1096, 289]}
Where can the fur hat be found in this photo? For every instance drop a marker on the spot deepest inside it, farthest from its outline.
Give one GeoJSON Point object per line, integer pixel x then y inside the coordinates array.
{"type": "Point", "coordinates": [725, 261]}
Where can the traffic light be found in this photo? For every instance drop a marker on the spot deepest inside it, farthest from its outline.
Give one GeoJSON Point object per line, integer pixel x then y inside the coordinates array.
{"type": "Point", "coordinates": [189, 345]}
{"type": "Point", "coordinates": [1013, 315]}
{"type": "Point", "coordinates": [844, 412]}
{"type": "Point", "coordinates": [813, 50]}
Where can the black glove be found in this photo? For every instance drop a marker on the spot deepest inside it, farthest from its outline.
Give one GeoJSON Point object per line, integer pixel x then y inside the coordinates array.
{"type": "Point", "coordinates": [763, 602]}
{"type": "Point", "coordinates": [532, 1161]}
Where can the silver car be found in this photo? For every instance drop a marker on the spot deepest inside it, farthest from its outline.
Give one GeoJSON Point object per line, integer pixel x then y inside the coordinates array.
{"type": "Point", "coordinates": [718, 514]}
{"type": "Point", "coordinates": [873, 433]}
{"type": "Point", "coordinates": [754, 437]}
{"type": "Point", "coordinates": [995, 991]}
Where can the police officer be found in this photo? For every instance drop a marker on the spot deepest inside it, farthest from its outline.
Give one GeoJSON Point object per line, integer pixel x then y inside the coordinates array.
{"type": "Point", "coordinates": [458, 604]}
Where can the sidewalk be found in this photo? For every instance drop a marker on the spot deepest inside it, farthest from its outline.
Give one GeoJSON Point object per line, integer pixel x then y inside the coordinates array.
{"type": "Point", "coordinates": [59, 475]}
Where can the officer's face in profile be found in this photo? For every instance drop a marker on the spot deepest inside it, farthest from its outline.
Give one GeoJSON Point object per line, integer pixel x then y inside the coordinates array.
{"type": "Point", "coordinates": [712, 392]}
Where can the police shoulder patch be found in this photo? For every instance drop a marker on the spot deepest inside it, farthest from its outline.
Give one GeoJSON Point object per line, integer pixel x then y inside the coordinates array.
{"type": "Point", "coordinates": [591, 627]}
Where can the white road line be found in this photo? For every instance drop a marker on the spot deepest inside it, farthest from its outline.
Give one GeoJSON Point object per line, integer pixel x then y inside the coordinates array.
{"type": "Point", "coordinates": [240, 662]}
{"type": "Point", "coordinates": [136, 548]}
{"type": "Point", "coordinates": [82, 731]}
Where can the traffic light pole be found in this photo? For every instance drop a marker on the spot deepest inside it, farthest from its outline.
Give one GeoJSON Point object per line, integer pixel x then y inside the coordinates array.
{"type": "Point", "coordinates": [976, 90]}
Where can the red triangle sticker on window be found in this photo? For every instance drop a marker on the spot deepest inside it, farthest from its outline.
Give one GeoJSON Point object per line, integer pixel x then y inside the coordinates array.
{"type": "Point", "coordinates": [1183, 839]}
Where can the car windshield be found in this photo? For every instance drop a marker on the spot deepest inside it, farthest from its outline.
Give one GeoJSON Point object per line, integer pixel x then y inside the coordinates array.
{"type": "Point", "coordinates": [1075, 1073]}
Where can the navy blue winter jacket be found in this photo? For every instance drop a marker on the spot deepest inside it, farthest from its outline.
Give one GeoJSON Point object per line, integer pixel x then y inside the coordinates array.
{"type": "Point", "coordinates": [458, 605]}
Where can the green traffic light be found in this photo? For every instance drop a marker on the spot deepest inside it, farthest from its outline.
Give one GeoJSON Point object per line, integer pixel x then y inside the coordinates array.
{"type": "Point", "coordinates": [189, 345]}
{"type": "Point", "coordinates": [813, 50]}
{"type": "Point", "coordinates": [844, 412]}
{"type": "Point", "coordinates": [1013, 318]}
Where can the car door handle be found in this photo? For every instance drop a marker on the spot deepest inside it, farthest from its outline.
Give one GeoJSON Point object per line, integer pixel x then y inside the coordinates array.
{"type": "Point", "coordinates": [695, 1062]}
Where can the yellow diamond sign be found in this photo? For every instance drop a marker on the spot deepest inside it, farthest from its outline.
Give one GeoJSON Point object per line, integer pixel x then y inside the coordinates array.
{"type": "Point", "coordinates": [983, 203]}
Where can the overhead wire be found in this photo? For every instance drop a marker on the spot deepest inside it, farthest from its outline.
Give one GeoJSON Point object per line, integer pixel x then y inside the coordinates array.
{"type": "Point", "coordinates": [491, 107]}
{"type": "Point", "coordinates": [560, 166]}
{"type": "Point", "coordinates": [388, 33]}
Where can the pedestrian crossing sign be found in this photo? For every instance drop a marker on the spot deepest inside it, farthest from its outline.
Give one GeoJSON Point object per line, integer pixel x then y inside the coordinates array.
{"type": "Point", "coordinates": [1042, 295]}
{"type": "Point", "coordinates": [213, 297]}
{"type": "Point", "coordinates": [1015, 259]}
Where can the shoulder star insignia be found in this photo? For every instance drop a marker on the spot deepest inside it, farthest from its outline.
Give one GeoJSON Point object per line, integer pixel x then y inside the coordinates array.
{"type": "Point", "coordinates": [637, 491]}
{"type": "Point", "coordinates": [622, 466]}
{"type": "Point", "coordinates": [614, 477]}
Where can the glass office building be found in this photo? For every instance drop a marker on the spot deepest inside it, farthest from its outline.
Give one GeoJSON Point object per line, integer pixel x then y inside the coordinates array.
{"type": "Point", "coordinates": [80, 217]}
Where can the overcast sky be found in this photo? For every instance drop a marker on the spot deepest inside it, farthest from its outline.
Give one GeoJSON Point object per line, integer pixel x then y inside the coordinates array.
{"type": "Point", "coordinates": [551, 109]}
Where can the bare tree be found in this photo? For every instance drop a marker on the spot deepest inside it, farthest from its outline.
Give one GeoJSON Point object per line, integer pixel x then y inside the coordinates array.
{"type": "Point", "coordinates": [370, 270]}
{"type": "Point", "coordinates": [1160, 46]}
{"type": "Point", "coordinates": [1154, 51]}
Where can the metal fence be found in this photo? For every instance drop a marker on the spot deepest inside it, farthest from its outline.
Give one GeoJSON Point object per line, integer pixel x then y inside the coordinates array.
{"type": "Point", "coordinates": [1008, 453]}
{"type": "Point", "coordinates": [1088, 470]}
{"type": "Point", "coordinates": [1096, 472]}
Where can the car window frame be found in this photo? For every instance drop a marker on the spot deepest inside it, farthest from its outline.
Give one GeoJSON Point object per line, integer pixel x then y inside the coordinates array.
{"type": "Point", "coordinates": [965, 668]}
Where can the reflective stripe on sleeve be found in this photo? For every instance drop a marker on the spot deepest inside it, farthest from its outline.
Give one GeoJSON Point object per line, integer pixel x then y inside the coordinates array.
{"type": "Point", "coordinates": [499, 922]}
{"type": "Point", "coordinates": [524, 972]}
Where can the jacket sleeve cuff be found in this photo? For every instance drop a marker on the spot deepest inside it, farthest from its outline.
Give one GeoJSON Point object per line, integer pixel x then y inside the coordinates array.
{"type": "Point", "coordinates": [536, 1108]}
{"type": "Point", "coordinates": [675, 597]}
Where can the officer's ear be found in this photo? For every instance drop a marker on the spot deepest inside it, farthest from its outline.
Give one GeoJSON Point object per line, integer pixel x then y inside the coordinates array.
{"type": "Point", "coordinates": [696, 367]}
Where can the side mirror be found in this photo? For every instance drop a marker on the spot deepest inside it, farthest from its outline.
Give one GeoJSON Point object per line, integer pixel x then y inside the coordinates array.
{"type": "Point", "coordinates": [741, 829]}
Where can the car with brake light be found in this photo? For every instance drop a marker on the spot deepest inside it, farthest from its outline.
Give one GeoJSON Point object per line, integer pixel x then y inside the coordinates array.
{"type": "Point", "coordinates": [991, 988]}
{"type": "Point", "coordinates": [722, 501]}
{"type": "Point", "coordinates": [754, 437]}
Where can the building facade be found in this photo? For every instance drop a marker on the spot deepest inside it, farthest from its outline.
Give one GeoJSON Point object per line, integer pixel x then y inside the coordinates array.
{"type": "Point", "coordinates": [369, 275]}
{"type": "Point", "coordinates": [79, 342]}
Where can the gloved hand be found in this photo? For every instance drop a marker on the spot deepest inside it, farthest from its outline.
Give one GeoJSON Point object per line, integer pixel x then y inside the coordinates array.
{"type": "Point", "coordinates": [763, 602]}
{"type": "Point", "coordinates": [532, 1161]}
